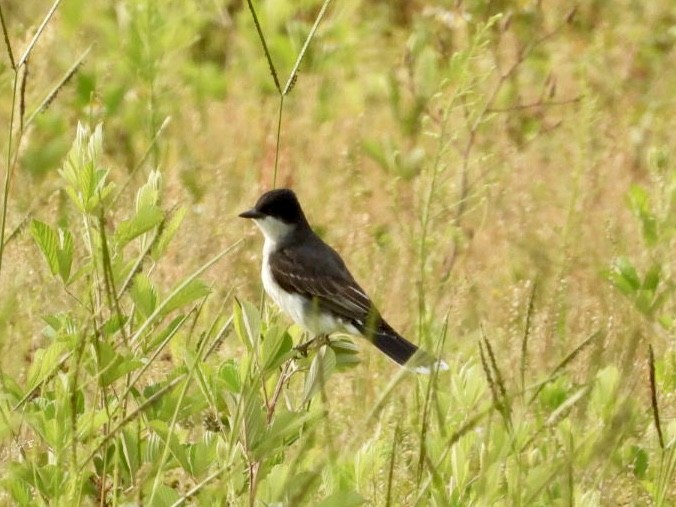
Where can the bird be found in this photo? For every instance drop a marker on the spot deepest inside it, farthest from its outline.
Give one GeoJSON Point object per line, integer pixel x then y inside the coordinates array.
{"type": "Point", "coordinates": [310, 282]}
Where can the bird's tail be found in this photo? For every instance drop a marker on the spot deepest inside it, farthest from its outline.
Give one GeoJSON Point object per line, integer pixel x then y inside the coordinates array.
{"type": "Point", "coordinates": [403, 352]}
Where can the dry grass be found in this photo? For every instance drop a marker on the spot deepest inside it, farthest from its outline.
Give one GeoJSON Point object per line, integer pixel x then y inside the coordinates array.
{"type": "Point", "coordinates": [546, 203]}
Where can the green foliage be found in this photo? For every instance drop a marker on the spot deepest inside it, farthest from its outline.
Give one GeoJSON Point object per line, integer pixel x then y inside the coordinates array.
{"type": "Point", "coordinates": [652, 293]}
{"type": "Point", "coordinates": [85, 180]}
{"type": "Point", "coordinates": [57, 248]}
{"type": "Point", "coordinates": [482, 145]}
{"type": "Point", "coordinates": [89, 398]}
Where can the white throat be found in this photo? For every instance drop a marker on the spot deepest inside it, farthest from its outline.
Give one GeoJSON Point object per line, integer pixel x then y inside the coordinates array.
{"type": "Point", "coordinates": [299, 308]}
{"type": "Point", "coordinates": [273, 229]}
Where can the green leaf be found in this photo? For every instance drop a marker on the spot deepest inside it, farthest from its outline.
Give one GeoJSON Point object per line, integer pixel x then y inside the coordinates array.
{"type": "Point", "coordinates": [554, 393]}
{"type": "Point", "coordinates": [285, 429]}
{"type": "Point", "coordinates": [639, 202]}
{"type": "Point", "coordinates": [65, 254]}
{"type": "Point", "coordinates": [90, 422]}
{"type": "Point", "coordinates": [164, 496]}
{"type": "Point", "coordinates": [426, 72]}
{"type": "Point", "coordinates": [157, 338]}
{"type": "Point", "coordinates": [322, 367]}
{"type": "Point", "coordinates": [20, 491]}
{"type": "Point", "coordinates": [153, 448]}
{"type": "Point", "coordinates": [646, 302]}
{"type": "Point", "coordinates": [56, 247]}
{"type": "Point", "coordinates": [247, 323]}
{"type": "Point", "coordinates": [177, 450]}
{"type": "Point", "coordinates": [379, 153]}
{"type": "Point", "coordinates": [347, 353]}
{"type": "Point", "coordinates": [623, 275]}
{"type": "Point", "coordinates": [604, 399]}
{"type": "Point", "coordinates": [229, 374]}
{"type": "Point", "coordinates": [195, 289]}
{"type": "Point", "coordinates": [652, 278]}
{"type": "Point", "coordinates": [130, 455]}
{"type": "Point", "coordinates": [342, 499]}
{"type": "Point", "coordinates": [168, 231]}
{"type": "Point", "coordinates": [666, 321]}
{"type": "Point", "coordinates": [638, 199]}
{"type": "Point", "coordinates": [200, 457]}
{"type": "Point", "coordinates": [639, 461]}
{"type": "Point", "coordinates": [148, 195]}
{"type": "Point", "coordinates": [113, 324]}
{"type": "Point", "coordinates": [277, 346]}
{"type": "Point", "coordinates": [44, 363]}
{"type": "Point", "coordinates": [254, 421]}
{"type": "Point", "coordinates": [12, 391]}
{"type": "Point", "coordinates": [49, 479]}
{"type": "Point", "coordinates": [144, 220]}
{"type": "Point", "coordinates": [144, 294]}
{"type": "Point", "coordinates": [113, 365]}
{"type": "Point", "coordinates": [650, 234]}
{"type": "Point", "coordinates": [85, 182]}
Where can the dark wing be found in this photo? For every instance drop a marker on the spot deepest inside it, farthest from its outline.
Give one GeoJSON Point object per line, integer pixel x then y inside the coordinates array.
{"type": "Point", "coordinates": [315, 270]}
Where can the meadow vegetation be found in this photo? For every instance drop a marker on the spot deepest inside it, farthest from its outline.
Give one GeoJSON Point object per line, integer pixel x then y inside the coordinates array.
{"type": "Point", "coordinates": [500, 177]}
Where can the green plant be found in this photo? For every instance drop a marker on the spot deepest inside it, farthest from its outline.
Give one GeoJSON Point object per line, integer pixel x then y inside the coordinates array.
{"type": "Point", "coordinates": [469, 161]}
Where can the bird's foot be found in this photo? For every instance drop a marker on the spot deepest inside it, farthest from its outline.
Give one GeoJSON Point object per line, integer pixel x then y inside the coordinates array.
{"type": "Point", "coordinates": [316, 342]}
{"type": "Point", "coordinates": [303, 347]}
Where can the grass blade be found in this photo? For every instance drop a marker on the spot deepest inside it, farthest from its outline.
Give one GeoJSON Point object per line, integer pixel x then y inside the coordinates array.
{"type": "Point", "coordinates": [291, 81]}
{"type": "Point", "coordinates": [49, 98]}
{"type": "Point", "coordinates": [38, 33]}
{"type": "Point", "coordinates": [187, 281]}
{"type": "Point", "coordinates": [653, 396]}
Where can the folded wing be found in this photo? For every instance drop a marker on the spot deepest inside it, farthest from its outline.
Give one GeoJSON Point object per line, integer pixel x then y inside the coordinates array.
{"type": "Point", "coordinates": [321, 275]}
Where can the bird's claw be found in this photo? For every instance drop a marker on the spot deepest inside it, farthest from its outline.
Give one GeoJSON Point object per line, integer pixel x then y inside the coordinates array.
{"type": "Point", "coordinates": [317, 342]}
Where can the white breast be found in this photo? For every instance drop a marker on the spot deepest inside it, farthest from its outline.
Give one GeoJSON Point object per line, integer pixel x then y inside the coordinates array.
{"type": "Point", "coordinates": [291, 304]}
{"type": "Point", "coordinates": [300, 309]}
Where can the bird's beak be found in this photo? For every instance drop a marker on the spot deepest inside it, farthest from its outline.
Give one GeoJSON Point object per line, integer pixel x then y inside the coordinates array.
{"type": "Point", "coordinates": [252, 213]}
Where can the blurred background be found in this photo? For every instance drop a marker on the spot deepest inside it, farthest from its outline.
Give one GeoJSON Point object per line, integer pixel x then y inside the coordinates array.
{"type": "Point", "coordinates": [537, 129]}
{"type": "Point", "coordinates": [496, 165]}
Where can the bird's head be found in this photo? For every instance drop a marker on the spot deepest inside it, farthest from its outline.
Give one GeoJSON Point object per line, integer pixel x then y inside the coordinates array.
{"type": "Point", "coordinates": [277, 213]}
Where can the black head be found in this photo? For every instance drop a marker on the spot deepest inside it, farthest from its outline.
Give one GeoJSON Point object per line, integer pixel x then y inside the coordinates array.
{"type": "Point", "coordinates": [281, 204]}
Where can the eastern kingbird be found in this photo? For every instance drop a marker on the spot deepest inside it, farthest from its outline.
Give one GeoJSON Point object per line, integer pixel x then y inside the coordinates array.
{"type": "Point", "coordinates": [310, 282]}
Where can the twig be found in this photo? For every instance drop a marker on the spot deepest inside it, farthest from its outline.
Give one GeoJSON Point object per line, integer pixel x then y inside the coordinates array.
{"type": "Point", "coordinates": [55, 91]}
{"type": "Point", "coordinates": [463, 188]}
{"type": "Point", "coordinates": [566, 360]}
{"type": "Point", "coordinates": [140, 409]}
{"type": "Point", "coordinates": [38, 33]}
{"type": "Point", "coordinates": [283, 378]}
{"type": "Point", "coordinates": [273, 71]}
{"type": "Point", "coordinates": [526, 335]}
{"type": "Point", "coordinates": [551, 103]}
{"type": "Point", "coordinates": [5, 35]}
{"type": "Point", "coordinates": [294, 72]}
{"type": "Point", "coordinates": [653, 396]}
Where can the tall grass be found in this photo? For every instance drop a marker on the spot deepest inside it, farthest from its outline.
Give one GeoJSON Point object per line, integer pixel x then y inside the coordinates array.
{"type": "Point", "coordinates": [508, 209]}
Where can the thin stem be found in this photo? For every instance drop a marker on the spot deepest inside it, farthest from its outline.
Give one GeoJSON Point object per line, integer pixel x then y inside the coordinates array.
{"type": "Point", "coordinates": [62, 82]}
{"type": "Point", "coordinates": [425, 219]}
{"type": "Point", "coordinates": [174, 418]}
{"type": "Point", "coordinates": [292, 77]}
{"type": "Point", "coordinates": [265, 47]}
{"type": "Point", "coordinates": [143, 159]}
{"type": "Point", "coordinates": [179, 288]}
{"type": "Point", "coordinates": [8, 171]}
{"type": "Point", "coordinates": [191, 492]}
{"type": "Point", "coordinates": [139, 410]}
{"type": "Point", "coordinates": [279, 133]}
{"type": "Point", "coordinates": [38, 33]}
{"type": "Point", "coordinates": [5, 34]}
{"type": "Point", "coordinates": [284, 376]}
{"type": "Point", "coordinates": [653, 396]}
{"type": "Point", "coordinates": [520, 107]}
